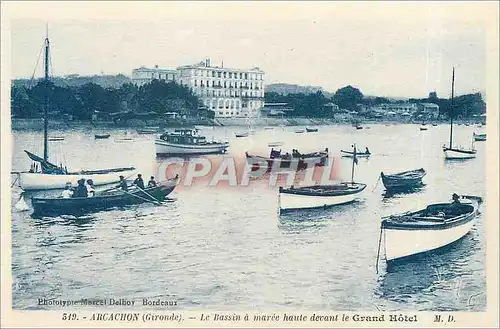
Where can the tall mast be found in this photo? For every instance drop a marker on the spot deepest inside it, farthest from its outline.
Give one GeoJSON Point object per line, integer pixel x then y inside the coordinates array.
{"type": "Point", "coordinates": [354, 160]}
{"type": "Point", "coordinates": [451, 109]}
{"type": "Point", "coordinates": [46, 106]}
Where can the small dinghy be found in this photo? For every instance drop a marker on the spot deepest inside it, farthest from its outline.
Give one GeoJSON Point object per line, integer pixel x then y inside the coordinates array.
{"type": "Point", "coordinates": [241, 134]}
{"type": "Point", "coordinates": [429, 229]}
{"type": "Point", "coordinates": [299, 131]}
{"type": "Point", "coordinates": [55, 206]}
{"type": "Point", "coordinates": [101, 136]}
{"type": "Point", "coordinates": [350, 154]}
{"type": "Point", "coordinates": [423, 127]}
{"type": "Point", "coordinates": [319, 196]}
{"type": "Point", "coordinates": [403, 180]}
{"type": "Point", "coordinates": [311, 130]}
{"type": "Point", "coordinates": [56, 138]}
{"type": "Point", "coordinates": [148, 130]}
{"type": "Point", "coordinates": [275, 144]}
{"type": "Point", "coordinates": [358, 127]}
{"type": "Point", "coordinates": [479, 137]}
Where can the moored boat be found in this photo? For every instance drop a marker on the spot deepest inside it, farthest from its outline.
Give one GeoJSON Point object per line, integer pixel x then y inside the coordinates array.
{"type": "Point", "coordinates": [49, 176]}
{"type": "Point", "coordinates": [148, 130]}
{"type": "Point", "coordinates": [403, 180]}
{"type": "Point", "coordinates": [432, 228]}
{"type": "Point", "coordinates": [318, 196]}
{"type": "Point", "coordinates": [350, 154]}
{"type": "Point", "coordinates": [359, 127]}
{"type": "Point", "coordinates": [479, 137]}
{"type": "Point", "coordinates": [187, 141]}
{"type": "Point", "coordinates": [451, 152]}
{"type": "Point", "coordinates": [101, 136]}
{"type": "Point", "coordinates": [55, 206]}
{"type": "Point", "coordinates": [275, 144]}
{"type": "Point", "coordinates": [311, 130]}
{"type": "Point", "coordinates": [241, 134]}
{"type": "Point", "coordinates": [299, 131]}
{"type": "Point", "coordinates": [423, 127]}
{"type": "Point", "coordinates": [56, 138]}
{"type": "Point", "coordinates": [295, 160]}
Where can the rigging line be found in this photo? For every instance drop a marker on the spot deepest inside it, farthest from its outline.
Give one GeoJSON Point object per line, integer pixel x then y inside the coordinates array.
{"type": "Point", "coordinates": [37, 61]}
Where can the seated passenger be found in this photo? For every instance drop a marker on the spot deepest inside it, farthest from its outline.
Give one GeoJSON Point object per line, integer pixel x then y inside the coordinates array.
{"type": "Point", "coordinates": [81, 189]}
{"type": "Point", "coordinates": [67, 193]}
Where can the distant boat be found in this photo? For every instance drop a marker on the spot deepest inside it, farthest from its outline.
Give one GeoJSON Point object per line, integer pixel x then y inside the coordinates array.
{"type": "Point", "coordinates": [319, 196]}
{"type": "Point", "coordinates": [350, 154]}
{"type": "Point", "coordinates": [451, 152]}
{"type": "Point", "coordinates": [242, 134]}
{"type": "Point", "coordinates": [148, 130]}
{"type": "Point", "coordinates": [311, 130]}
{"type": "Point", "coordinates": [423, 127]}
{"type": "Point", "coordinates": [296, 160]}
{"type": "Point", "coordinates": [403, 180]}
{"type": "Point", "coordinates": [275, 144]}
{"type": "Point", "coordinates": [359, 127]}
{"type": "Point", "coordinates": [479, 137]}
{"type": "Point", "coordinates": [268, 128]}
{"type": "Point", "coordinates": [56, 138]}
{"type": "Point", "coordinates": [55, 206]}
{"type": "Point", "coordinates": [299, 131]}
{"type": "Point", "coordinates": [101, 136]}
{"type": "Point", "coordinates": [187, 141]}
{"type": "Point", "coordinates": [434, 227]}
{"type": "Point", "coordinates": [434, 124]}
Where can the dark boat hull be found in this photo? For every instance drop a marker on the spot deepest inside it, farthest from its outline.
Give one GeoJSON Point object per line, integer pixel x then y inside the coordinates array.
{"type": "Point", "coordinates": [296, 163]}
{"type": "Point", "coordinates": [105, 136]}
{"type": "Point", "coordinates": [79, 206]}
{"type": "Point", "coordinates": [402, 182]}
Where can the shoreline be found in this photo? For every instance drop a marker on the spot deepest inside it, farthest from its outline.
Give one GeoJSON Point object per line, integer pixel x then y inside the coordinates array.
{"type": "Point", "coordinates": [57, 124]}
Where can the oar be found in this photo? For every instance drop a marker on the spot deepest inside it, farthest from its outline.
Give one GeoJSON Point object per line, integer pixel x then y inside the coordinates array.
{"type": "Point", "coordinates": [152, 197]}
{"type": "Point", "coordinates": [154, 202]}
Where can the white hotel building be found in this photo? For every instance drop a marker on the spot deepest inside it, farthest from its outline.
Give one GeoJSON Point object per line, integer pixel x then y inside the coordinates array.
{"type": "Point", "coordinates": [228, 92]}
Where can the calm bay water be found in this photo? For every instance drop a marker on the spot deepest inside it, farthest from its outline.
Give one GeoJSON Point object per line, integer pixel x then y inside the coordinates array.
{"type": "Point", "coordinates": [227, 249]}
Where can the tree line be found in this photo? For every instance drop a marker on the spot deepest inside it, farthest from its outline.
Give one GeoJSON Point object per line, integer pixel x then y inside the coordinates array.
{"type": "Point", "coordinates": [350, 98]}
{"type": "Point", "coordinates": [81, 102]}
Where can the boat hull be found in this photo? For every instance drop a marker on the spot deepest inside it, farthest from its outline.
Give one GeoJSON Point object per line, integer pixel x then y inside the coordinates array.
{"type": "Point", "coordinates": [392, 182]}
{"type": "Point", "coordinates": [452, 154]}
{"type": "Point", "coordinates": [166, 148]}
{"type": "Point", "coordinates": [402, 244]}
{"type": "Point", "coordinates": [39, 181]}
{"type": "Point", "coordinates": [349, 154]}
{"type": "Point", "coordinates": [290, 202]}
{"type": "Point", "coordinates": [319, 160]}
{"type": "Point", "coordinates": [79, 206]}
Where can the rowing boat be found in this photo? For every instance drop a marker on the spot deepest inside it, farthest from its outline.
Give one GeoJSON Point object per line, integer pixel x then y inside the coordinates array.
{"type": "Point", "coordinates": [429, 229]}
{"type": "Point", "coordinates": [55, 206]}
{"type": "Point", "coordinates": [350, 154]}
{"type": "Point", "coordinates": [318, 196]}
{"type": "Point", "coordinates": [295, 161]}
{"type": "Point", "coordinates": [403, 180]}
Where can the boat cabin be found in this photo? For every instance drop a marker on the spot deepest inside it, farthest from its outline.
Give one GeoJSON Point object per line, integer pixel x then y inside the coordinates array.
{"type": "Point", "coordinates": [184, 136]}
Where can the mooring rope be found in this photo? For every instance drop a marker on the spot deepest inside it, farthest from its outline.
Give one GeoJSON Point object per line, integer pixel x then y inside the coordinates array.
{"type": "Point", "coordinates": [378, 252]}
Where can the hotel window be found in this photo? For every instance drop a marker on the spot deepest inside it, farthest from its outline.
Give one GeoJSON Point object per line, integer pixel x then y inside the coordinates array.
{"type": "Point", "coordinates": [225, 85]}
{"type": "Point", "coordinates": [221, 113]}
{"type": "Point", "coordinates": [213, 83]}
{"type": "Point", "coordinates": [224, 75]}
{"type": "Point", "coordinates": [218, 74]}
{"type": "Point", "coordinates": [246, 76]}
{"type": "Point", "coordinates": [230, 75]}
{"type": "Point", "coordinates": [241, 75]}
{"type": "Point", "coordinates": [213, 74]}
{"type": "Point", "coordinates": [195, 83]}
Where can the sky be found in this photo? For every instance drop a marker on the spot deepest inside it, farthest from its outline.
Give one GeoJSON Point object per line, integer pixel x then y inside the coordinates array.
{"type": "Point", "coordinates": [385, 49]}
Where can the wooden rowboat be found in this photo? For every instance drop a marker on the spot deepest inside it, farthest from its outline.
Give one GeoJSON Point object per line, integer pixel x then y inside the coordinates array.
{"type": "Point", "coordinates": [311, 130]}
{"type": "Point", "coordinates": [55, 206]}
{"type": "Point", "coordinates": [350, 154]}
{"type": "Point", "coordinates": [101, 136]}
{"type": "Point", "coordinates": [429, 229]}
{"type": "Point", "coordinates": [296, 161]}
{"type": "Point", "coordinates": [479, 137]}
{"type": "Point", "coordinates": [318, 196]}
{"type": "Point", "coordinates": [403, 180]}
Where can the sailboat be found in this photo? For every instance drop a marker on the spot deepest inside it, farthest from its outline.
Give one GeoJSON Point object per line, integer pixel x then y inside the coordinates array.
{"type": "Point", "coordinates": [450, 152]}
{"type": "Point", "coordinates": [50, 176]}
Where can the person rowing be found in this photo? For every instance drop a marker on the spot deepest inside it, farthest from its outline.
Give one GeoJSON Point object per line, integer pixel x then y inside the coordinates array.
{"type": "Point", "coordinates": [152, 182]}
{"type": "Point", "coordinates": [139, 182]}
{"type": "Point", "coordinates": [123, 184]}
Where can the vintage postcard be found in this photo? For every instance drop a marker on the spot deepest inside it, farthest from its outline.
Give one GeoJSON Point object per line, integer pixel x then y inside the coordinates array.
{"type": "Point", "coordinates": [250, 164]}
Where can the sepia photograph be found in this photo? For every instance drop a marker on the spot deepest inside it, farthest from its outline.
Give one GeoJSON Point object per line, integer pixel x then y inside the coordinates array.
{"type": "Point", "coordinates": [250, 163]}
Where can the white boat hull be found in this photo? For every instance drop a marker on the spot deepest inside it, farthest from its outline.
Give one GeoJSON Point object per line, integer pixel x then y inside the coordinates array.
{"type": "Point", "coordinates": [38, 181]}
{"type": "Point", "coordinates": [163, 147]}
{"type": "Point", "coordinates": [400, 243]}
{"type": "Point", "coordinates": [295, 201]}
{"type": "Point", "coordinates": [451, 154]}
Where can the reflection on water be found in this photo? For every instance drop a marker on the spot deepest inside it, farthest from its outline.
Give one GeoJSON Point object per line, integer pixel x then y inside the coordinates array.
{"type": "Point", "coordinates": [227, 248]}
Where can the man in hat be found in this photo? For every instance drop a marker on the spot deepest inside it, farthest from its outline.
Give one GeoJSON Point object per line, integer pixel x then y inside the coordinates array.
{"type": "Point", "coordinates": [139, 182]}
{"type": "Point", "coordinates": [81, 189]}
{"type": "Point", "coordinates": [90, 187]}
{"type": "Point", "coordinates": [123, 184]}
{"type": "Point", "coordinates": [152, 182]}
{"type": "Point", "coordinates": [456, 199]}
